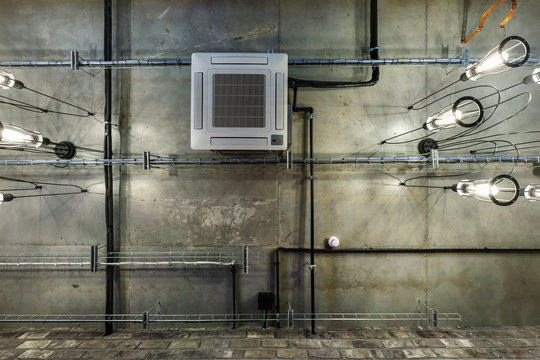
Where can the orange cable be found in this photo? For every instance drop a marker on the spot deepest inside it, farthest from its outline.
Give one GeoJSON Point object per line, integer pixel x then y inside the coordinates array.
{"type": "Point", "coordinates": [484, 17]}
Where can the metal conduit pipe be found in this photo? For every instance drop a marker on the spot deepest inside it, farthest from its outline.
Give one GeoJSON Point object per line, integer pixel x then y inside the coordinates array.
{"type": "Point", "coordinates": [394, 251]}
{"type": "Point", "coordinates": [157, 63]}
{"type": "Point", "coordinates": [274, 161]}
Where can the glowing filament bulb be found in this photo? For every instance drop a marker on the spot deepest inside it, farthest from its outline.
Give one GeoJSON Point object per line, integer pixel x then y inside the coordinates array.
{"type": "Point", "coordinates": [532, 192]}
{"type": "Point", "coordinates": [14, 137]}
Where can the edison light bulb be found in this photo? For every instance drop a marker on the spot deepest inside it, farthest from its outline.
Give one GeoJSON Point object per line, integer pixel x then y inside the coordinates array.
{"type": "Point", "coordinates": [446, 120]}
{"type": "Point", "coordinates": [14, 137]}
{"type": "Point", "coordinates": [466, 107]}
{"type": "Point", "coordinates": [532, 192]}
{"type": "Point", "coordinates": [534, 78]}
{"type": "Point", "coordinates": [5, 197]}
{"type": "Point", "coordinates": [500, 59]}
{"type": "Point", "coordinates": [502, 190]}
{"type": "Point", "coordinates": [492, 62]}
{"type": "Point", "coordinates": [7, 81]}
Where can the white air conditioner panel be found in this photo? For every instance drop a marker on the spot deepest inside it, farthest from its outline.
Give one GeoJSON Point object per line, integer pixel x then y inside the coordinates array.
{"type": "Point", "coordinates": [238, 101]}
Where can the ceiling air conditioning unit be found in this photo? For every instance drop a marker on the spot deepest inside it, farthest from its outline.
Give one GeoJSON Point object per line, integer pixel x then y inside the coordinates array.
{"type": "Point", "coordinates": [239, 101]}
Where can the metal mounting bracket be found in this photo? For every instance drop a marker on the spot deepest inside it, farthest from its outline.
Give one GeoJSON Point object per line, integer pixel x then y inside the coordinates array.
{"type": "Point", "coordinates": [536, 168]}
{"type": "Point", "coordinates": [289, 159]}
{"type": "Point", "coordinates": [93, 258]}
{"type": "Point", "coordinates": [74, 60]}
{"type": "Point", "coordinates": [146, 320]}
{"type": "Point", "coordinates": [434, 156]}
{"type": "Point", "coordinates": [466, 57]}
{"type": "Point", "coordinates": [146, 160]}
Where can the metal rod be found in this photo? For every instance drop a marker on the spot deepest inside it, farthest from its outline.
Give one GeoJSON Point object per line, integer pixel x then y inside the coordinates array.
{"type": "Point", "coordinates": [207, 318]}
{"type": "Point", "coordinates": [312, 222]}
{"type": "Point", "coordinates": [277, 287]}
{"type": "Point", "coordinates": [233, 272]}
{"type": "Point", "coordinates": [270, 161]}
{"type": "Point", "coordinates": [157, 63]}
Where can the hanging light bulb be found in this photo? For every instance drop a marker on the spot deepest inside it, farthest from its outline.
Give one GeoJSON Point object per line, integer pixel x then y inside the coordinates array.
{"type": "Point", "coordinates": [532, 192]}
{"type": "Point", "coordinates": [502, 190]}
{"type": "Point", "coordinates": [14, 137]}
{"type": "Point", "coordinates": [466, 112]}
{"type": "Point", "coordinates": [534, 78]}
{"type": "Point", "coordinates": [513, 51]}
{"type": "Point", "coordinates": [5, 197]}
{"type": "Point", "coordinates": [7, 81]}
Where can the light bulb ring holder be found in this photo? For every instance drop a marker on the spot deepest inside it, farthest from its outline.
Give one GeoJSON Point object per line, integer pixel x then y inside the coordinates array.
{"type": "Point", "coordinates": [480, 111]}
{"type": "Point", "coordinates": [527, 51]}
{"type": "Point", "coordinates": [504, 202]}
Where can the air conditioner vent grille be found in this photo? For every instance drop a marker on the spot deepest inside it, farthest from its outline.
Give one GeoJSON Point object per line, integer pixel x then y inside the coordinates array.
{"type": "Point", "coordinates": [239, 101]}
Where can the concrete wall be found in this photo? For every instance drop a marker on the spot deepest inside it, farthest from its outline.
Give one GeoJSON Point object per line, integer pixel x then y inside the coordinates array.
{"type": "Point", "coordinates": [214, 207]}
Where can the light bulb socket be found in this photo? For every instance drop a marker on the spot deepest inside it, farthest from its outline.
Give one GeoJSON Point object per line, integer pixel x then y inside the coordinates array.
{"type": "Point", "coordinates": [426, 145]}
{"type": "Point", "coordinates": [65, 150]}
{"type": "Point", "coordinates": [17, 84]}
{"type": "Point", "coordinates": [527, 51]}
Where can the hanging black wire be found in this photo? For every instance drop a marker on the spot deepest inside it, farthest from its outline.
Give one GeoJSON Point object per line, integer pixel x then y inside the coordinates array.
{"type": "Point", "coordinates": [36, 109]}
{"type": "Point", "coordinates": [88, 112]}
{"type": "Point", "coordinates": [38, 184]}
{"type": "Point", "coordinates": [52, 194]}
{"type": "Point", "coordinates": [496, 92]}
{"type": "Point", "coordinates": [411, 107]}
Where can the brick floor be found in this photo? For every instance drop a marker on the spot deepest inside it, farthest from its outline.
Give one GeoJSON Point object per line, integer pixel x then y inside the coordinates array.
{"type": "Point", "coordinates": [256, 343]}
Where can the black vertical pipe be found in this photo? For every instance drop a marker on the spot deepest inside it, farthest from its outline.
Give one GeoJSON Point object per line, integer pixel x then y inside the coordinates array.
{"type": "Point", "coordinates": [312, 224]}
{"type": "Point", "coordinates": [277, 287]}
{"type": "Point", "coordinates": [233, 271]}
{"type": "Point", "coordinates": [107, 154]}
{"type": "Point", "coordinates": [374, 42]}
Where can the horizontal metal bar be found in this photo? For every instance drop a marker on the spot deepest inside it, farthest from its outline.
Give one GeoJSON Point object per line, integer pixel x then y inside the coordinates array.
{"type": "Point", "coordinates": [265, 161]}
{"type": "Point", "coordinates": [22, 263]}
{"type": "Point", "coordinates": [165, 263]}
{"type": "Point", "coordinates": [152, 63]}
{"type": "Point", "coordinates": [205, 318]}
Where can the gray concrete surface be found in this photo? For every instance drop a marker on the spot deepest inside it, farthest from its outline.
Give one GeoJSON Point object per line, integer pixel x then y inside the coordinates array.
{"type": "Point", "coordinates": [213, 207]}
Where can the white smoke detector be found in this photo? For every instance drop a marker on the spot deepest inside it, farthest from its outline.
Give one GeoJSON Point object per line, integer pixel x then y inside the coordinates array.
{"type": "Point", "coordinates": [333, 242]}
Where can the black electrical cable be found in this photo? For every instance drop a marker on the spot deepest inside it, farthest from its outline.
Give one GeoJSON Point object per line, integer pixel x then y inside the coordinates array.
{"type": "Point", "coordinates": [411, 107]}
{"type": "Point", "coordinates": [88, 112]}
{"type": "Point", "coordinates": [38, 184]}
{"type": "Point", "coordinates": [385, 141]}
{"type": "Point", "coordinates": [497, 123]}
{"type": "Point", "coordinates": [451, 137]}
{"type": "Point", "coordinates": [497, 91]}
{"type": "Point", "coordinates": [33, 108]}
{"type": "Point", "coordinates": [54, 194]}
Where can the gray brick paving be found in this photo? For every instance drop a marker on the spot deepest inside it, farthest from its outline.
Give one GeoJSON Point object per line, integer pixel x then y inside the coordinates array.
{"type": "Point", "coordinates": [272, 343]}
{"type": "Point", "coordinates": [292, 353]}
